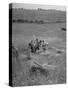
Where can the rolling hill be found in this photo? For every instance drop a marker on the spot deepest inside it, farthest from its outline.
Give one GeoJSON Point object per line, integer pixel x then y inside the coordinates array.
{"type": "Point", "coordinates": [36, 16]}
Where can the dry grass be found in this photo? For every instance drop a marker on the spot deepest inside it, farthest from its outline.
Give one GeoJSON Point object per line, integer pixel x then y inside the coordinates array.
{"type": "Point", "coordinates": [26, 73]}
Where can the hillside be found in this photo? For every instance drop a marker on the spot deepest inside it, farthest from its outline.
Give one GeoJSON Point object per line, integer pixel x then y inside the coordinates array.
{"type": "Point", "coordinates": [38, 16]}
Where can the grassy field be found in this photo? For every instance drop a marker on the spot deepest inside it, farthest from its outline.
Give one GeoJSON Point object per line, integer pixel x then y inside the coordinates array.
{"type": "Point", "coordinates": [23, 71]}
{"type": "Point", "coordinates": [24, 32]}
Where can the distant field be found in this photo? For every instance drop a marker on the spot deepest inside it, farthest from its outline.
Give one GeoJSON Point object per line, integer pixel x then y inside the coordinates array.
{"type": "Point", "coordinates": [23, 32]}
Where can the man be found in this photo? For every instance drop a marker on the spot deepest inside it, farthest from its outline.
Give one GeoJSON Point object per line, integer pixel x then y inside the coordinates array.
{"type": "Point", "coordinates": [34, 44]}
{"type": "Point", "coordinates": [44, 45]}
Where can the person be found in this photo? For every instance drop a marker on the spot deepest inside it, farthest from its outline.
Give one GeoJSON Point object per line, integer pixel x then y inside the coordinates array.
{"type": "Point", "coordinates": [31, 46]}
{"type": "Point", "coordinates": [34, 45]}
{"type": "Point", "coordinates": [37, 44]}
{"type": "Point", "coordinates": [44, 45]}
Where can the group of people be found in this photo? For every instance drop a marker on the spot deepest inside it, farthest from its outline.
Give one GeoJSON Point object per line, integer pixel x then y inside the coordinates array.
{"type": "Point", "coordinates": [37, 45]}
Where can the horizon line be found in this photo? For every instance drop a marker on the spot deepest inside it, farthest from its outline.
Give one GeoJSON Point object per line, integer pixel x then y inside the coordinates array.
{"type": "Point", "coordinates": [38, 6]}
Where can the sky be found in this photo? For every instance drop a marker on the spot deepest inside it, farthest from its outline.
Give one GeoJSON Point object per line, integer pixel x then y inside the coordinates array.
{"type": "Point", "coordinates": [35, 6]}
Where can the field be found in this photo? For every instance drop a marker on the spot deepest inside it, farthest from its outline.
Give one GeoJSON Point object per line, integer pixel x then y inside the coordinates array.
{"type": "Point", "coordinates": [53, 60]}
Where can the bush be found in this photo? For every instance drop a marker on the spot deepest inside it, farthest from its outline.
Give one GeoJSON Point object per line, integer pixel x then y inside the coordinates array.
{"type": "Point", "coordinates": [63, 29]}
